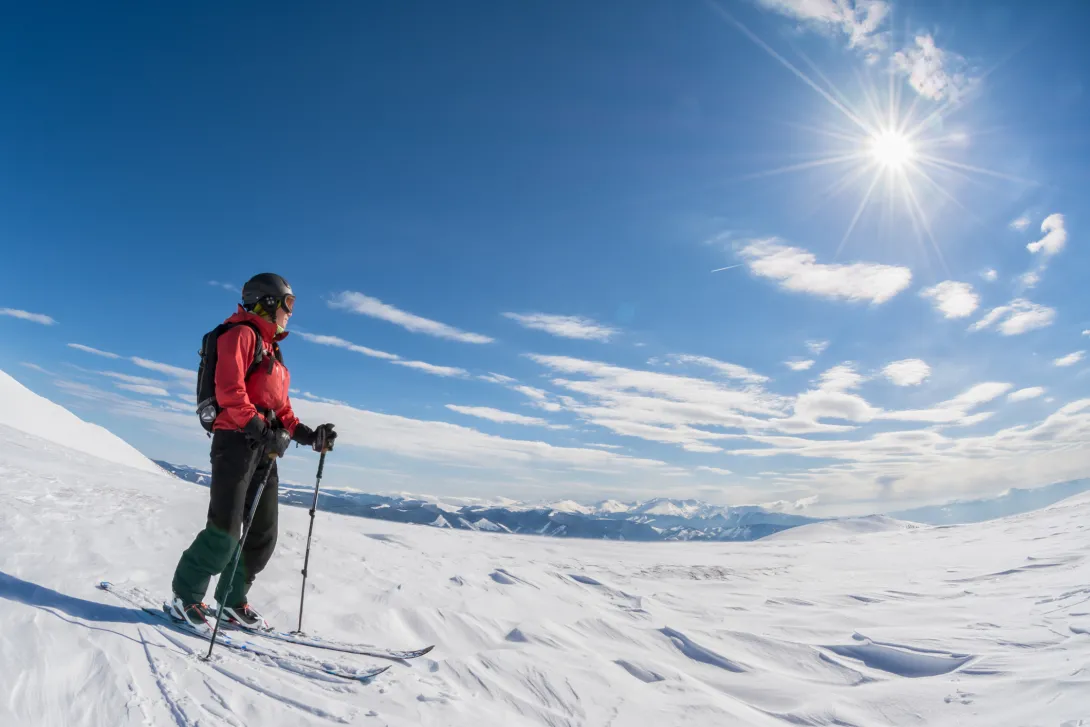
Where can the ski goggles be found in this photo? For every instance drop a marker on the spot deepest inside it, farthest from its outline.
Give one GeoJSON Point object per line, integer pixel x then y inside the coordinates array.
{"type": "Point", "coordinates": [288, 303]}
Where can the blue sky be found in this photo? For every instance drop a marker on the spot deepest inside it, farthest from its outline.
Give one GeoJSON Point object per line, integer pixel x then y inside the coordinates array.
{"type": "Point", "coordinates": [502, 222]}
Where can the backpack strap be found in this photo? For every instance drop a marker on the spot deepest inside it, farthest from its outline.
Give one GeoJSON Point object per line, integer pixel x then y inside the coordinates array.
{"type": "Point", "coordinates": [259, 348]}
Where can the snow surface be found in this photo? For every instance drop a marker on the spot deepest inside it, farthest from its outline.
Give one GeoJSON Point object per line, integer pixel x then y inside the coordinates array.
{"type": "Point", "coordinates": [984, 624]}
{"type": "Point", "coordinates": [24, 410]}
{"type": "Point", "coordinates": [843, 528]}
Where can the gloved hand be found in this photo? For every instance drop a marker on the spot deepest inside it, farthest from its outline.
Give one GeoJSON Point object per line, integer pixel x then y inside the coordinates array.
{"type": "Point", "coordinates": [324, 436]}
{"type": "Point", "coordinates": [274, 441]}
{"type": "Point", "coordinates": [320, 438]}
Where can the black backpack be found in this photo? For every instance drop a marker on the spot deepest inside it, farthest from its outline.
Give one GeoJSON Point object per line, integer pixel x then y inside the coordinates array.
{"type": "Point", "coordinates": [207, 406]}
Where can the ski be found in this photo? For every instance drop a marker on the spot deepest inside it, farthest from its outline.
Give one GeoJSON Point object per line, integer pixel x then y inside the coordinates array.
{"type": "Point", "coordinates": [343, 647]}
{"type": "Point", "coordinates": [296, 663]}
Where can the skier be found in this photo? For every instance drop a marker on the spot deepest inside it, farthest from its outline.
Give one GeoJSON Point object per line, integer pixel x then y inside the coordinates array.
{"type": "Point", "coordinates": [255, 424]}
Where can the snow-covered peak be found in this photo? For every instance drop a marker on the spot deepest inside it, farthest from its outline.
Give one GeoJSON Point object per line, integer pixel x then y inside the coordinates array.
{"type": "Point", "coordinates": [674, 508]}
{"type": "Point", "coordinates": [28, 412]}
{"type": "Point", "coordinates": [571, 506]}
{"type": "Point", "coordinates": [612, 506]}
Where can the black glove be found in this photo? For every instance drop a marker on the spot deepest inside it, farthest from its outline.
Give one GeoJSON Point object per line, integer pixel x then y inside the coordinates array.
{"type": "Point", "coordinates": [274, 441]}
{"type": "Point", "coordinates": [320, 438]}
{"type": "Point", "coordinates": [324, 436]}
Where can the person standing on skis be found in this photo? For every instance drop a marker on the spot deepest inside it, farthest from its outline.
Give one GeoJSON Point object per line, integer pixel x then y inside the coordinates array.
{"type": "Point", "coordinates": [254, 425]}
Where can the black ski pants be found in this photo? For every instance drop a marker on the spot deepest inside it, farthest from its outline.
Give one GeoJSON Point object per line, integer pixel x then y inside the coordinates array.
{"type": "Point", "coordinates": [238, 466]}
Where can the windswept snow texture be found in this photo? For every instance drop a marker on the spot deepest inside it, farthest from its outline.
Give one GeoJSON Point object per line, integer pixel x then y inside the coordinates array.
{"type": "Point", "coordinates": [985, 624]}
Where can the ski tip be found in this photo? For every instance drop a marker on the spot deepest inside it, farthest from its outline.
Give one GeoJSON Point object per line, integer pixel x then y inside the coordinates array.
{"type": "Point", "coordinates": [373, 673]}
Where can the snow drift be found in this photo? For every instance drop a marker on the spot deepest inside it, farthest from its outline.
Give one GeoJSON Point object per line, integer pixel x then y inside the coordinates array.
{"type": "Point", "coordinates": [970, 625]}
{"type": "Point", "coordinates": [24, 410]}
{"type": "Point", "coordinates": [843, 528]}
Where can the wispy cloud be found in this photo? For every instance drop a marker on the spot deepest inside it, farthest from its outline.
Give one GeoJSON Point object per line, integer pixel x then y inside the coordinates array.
{"type": "Point", "coordinates": [952, 299]}
{"type": "Point", "coordinates": [323, 399]}
{"type": "Point", "coordinates": [167, 414]}
{"type": "Point", "coordinates": [1029, 279]}
{"type": "Point", "coordinates": [502, 417]}
{"type": "Point", "coordinates": [434, 370]}
{"type": "Point", "coordinates": [909, 372]}
{"type": "Point", "coordinates": [494, 378]}
{"type": "Point", "coordinates": [1017, 317]}
{"type": "Point", "coordinates": [95, 351]}
{"type": "Point", "coordinates": [1031, 392]}
{"type": "Point", "coordinates": [225, 286]}
{"type": "Point", "coordinates": [799, 365]}
{"type": "Point", "coordinates": [338, 342]}
{"type": "Point", "coordinates": [130, 379]}
{"type": "Point", "coordinates": [990, 275]}
{"type": "Point", "coordinates": [797, 270]}
{"type": "Point", "coordinates": [1020, 223]}
{"type": "Point", "coordinates": [817, 347]}
{"type": "Point", "coordinates": [659, 407]}
{"type": "Point", "coordinates": [36, 367]}
{"type": "Point", "coordinates": [934, 73]}
{"type": "Point", "coordinates": [144, 389]}
{"type": "Point", "coordinates": [186, 375]}
{"type": "Point", "coordinates": [714, 470]}
{"type": "Point", "coordinates": [564, 326]}
{"type": "Point", "coordinates": [730, 370]}
{"type": "Point", "coordinates": [375, 308]}
{"type": "Point", "coordinates": [858, 20]}
{"type": "Point", "coordinates": [26, 316]}
{"type": "Point", "coordinates": [1070, 359]}
{"type": "Point", "coordinates": [447, 443]}
{"type": "Point", "coordinates": [189, 375]}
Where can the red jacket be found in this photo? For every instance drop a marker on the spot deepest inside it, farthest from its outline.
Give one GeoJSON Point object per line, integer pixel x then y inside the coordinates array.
{"type": "Point", "coordinates": [266, 389]}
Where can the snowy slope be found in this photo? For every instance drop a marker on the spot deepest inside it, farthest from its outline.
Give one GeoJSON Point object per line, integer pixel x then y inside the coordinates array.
{"type": "Point", "coordinates": [843, 528]}
{"type": "Point", "coordinates": [24, 410]}
{"type": "Point", "coordinates": [983, 624]}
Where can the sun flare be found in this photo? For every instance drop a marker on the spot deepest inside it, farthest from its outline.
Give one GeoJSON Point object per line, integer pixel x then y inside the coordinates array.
{"type": "Point", "coordinates": [891, 149]}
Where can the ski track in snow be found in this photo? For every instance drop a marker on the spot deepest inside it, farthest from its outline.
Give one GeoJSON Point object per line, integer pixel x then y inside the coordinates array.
{"type": "Point", "coordinates": [983, 624]}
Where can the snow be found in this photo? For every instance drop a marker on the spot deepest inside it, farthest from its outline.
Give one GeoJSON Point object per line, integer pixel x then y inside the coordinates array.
{"type": "Point", "coordinates": [24, 410]}
{"type": "Point", "coordinates": [983, 624]}
{"type": "Point", "coordinates": [571, 506]}
{"type": "Point", "coordinates": [843, 528]}
{"type": "Point", "coordinates": [613, 506]}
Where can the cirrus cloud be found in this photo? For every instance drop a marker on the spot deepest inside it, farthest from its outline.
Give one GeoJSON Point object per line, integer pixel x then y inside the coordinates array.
{"type": "Point", "coordinates": [373, 307]}
{"type": "Point", "coordinates": [27, 316]}
{"type": "Point", "coordinates": [564, 326]}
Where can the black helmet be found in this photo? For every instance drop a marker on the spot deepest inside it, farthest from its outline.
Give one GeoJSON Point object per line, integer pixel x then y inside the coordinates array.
{"type": "Point", "coordinates": [269, 289]}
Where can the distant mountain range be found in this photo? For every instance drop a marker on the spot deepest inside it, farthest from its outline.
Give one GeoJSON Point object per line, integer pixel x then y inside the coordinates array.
{"type": "Point", "coordinates": [657, 519]}
{"type": "Point", "coordinates": [1012, 502]}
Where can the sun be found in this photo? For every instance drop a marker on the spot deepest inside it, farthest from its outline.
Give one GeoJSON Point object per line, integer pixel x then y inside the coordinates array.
{"type": "Point", "coordinates": [892, 150]}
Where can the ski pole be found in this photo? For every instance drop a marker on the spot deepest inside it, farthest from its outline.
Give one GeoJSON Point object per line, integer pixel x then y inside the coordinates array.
{"type": "Point", "coordinates": [310, 532]}
{"type": "Point", "coordinates": [238, 552]}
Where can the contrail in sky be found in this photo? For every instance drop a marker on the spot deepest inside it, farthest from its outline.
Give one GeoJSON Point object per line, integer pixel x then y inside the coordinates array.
{"type": "Point", "coordinates": [729, 267]}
